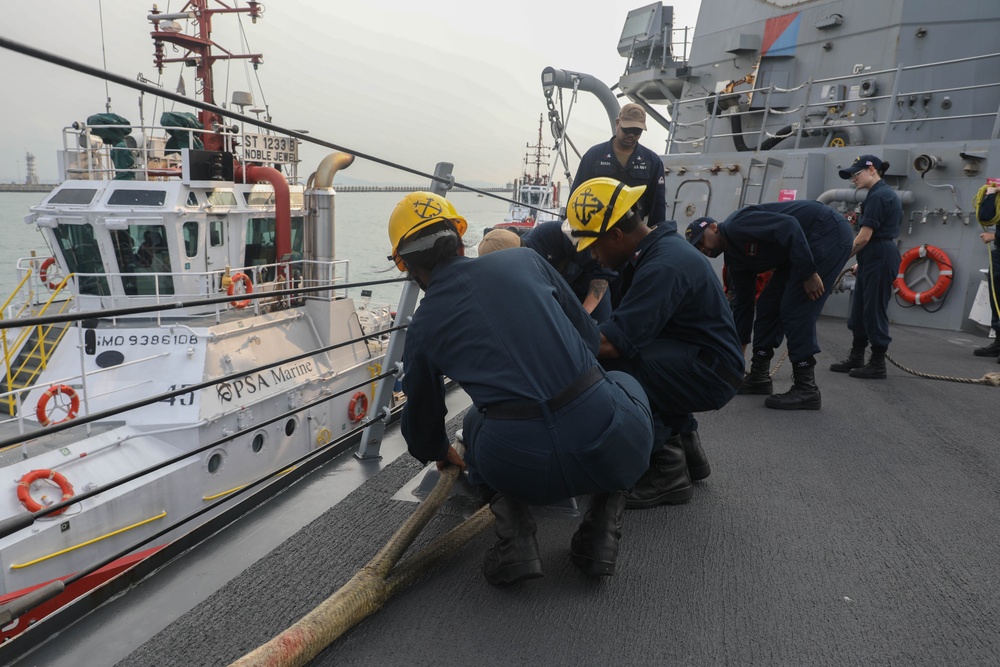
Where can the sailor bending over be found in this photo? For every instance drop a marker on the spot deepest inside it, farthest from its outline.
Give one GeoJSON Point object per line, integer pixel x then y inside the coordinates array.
{"type": "Point", "coordinates": [548, 423]}
{"type": "Point", "coordinates": [806, 244]}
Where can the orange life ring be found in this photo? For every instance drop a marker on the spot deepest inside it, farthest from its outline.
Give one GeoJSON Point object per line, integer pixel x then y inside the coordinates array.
{"type": "Point", "coordinates": [24, 489]}
{"type": "Point", "coordinates": [43, 273]}
{"type": "Point", "coordinates": [248, 289]}
{"type": "Point", "coordinates": [43, 402]}
{"type": "Point", "coordinates": [358, 407]}
{"type": "Point", "coordinates": [936, 292]}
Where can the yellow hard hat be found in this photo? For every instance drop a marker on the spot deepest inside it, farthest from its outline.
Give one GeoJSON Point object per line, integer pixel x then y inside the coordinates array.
{"type": "Point", "coordinates": [596, 206]}
{"type": "Point", "coordinates": [416, 211]}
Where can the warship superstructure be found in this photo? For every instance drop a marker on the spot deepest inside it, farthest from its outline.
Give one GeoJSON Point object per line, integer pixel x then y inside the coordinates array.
{"type": "Point", "coordinates": [769, 99]}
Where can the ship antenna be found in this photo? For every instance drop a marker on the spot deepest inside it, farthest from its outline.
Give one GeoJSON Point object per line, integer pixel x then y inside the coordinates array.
{"type": "Point", "coordinates": [104, 57]}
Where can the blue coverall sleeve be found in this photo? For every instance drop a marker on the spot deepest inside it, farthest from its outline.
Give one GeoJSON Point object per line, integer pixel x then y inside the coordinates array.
{"type": "Point", "coordinates": [658, 207]}
{"type": "Point", "coordinates": [423, 420]}
{"type": "Point", "coordinates": [987, 207]}
{"type": "Point", "coordinates": [876, 210]}
{"type": "Point", "coordinates": [650, 302]}
{"type": "Point", "coordinates": [570, 305]}
{"type": "Point", "coordinates": [744, 286]}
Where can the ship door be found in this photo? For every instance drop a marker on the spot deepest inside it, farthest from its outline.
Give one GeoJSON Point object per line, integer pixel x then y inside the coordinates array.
{"type": "Point", "coordinates": [216, 243]}
{"type": "Point", "coordinates": [690, 202]}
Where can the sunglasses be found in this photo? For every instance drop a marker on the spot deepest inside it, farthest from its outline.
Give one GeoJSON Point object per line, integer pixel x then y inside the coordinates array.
{"type": "Point", "coordinates": [634, 131]}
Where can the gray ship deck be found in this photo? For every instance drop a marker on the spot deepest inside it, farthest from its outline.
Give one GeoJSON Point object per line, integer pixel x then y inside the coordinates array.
{"type": "Point", "coordinates": [864, 534]}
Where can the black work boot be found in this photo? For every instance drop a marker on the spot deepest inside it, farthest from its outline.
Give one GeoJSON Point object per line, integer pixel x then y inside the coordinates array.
{"type": "Point", "coordinates": [874, 369]}
{"type": "Point", "coordinates": [991, 350]}
{"type": "Point", "coordinates": [666, 480]}
{"type": "Point", "coordinates": [855, 359]}
{"type": "Point", "coordinates": [758, 380]}
{"type": "Point", "coordinates": [804, 394]}
{"type": "Point", "coordinates": [594, 548]}
{"type": "Point", "coordinates": [514, 557]}
{"type": "Point", "coordinates": [697, 462]}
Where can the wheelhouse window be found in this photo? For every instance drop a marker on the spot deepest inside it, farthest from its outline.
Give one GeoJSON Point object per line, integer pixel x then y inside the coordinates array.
{"type": "Point", "coordinates": [83, 257]}
{"type": "Point", "coordinates": [73, 196]}
{"type": "Point", "coordinates": [191, 239]}
{"type": "Point", "coordinates": [141, 250]}
{"type": "Point", "coordinates": [260, 243]}
{"type": "Point", "coordinates": [152, 256]}
{"type": "Point", "coordinates": [222, 198]}
{"type": "Point", "coordinates": [216, 235]}
{"type": "Point", "coordinates": [125, 197]}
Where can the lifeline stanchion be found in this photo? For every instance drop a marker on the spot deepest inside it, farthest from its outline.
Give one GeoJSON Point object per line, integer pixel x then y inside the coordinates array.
{"type": "Point", "coordinates": [990, 379]}
{"type": "Point", "coordinates": [375, 583]}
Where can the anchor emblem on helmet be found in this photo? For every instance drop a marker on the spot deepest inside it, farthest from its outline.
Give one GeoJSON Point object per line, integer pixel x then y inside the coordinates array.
{"type": "Point", "coordinates": [586, 205]}
{"type": "Point", "coordinates": [427, 208]}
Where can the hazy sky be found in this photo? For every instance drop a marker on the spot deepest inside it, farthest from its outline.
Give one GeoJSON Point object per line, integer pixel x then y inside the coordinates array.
{"type": "Point", "coordinates": [411, 82]}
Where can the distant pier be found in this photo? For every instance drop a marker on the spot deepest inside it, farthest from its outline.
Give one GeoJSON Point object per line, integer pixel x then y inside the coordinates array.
{"type": "Point", "coordinates": [408, 188]}
{"type": "Point", "coordinates": [26, 187]}
{"type": "Point", "coordinates": [46, 187]}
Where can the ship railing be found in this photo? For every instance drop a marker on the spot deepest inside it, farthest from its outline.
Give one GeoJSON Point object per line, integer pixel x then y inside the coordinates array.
{"type": "Point", "coordinates": [85, 156]}
{"type": "Point", "coordinates": [23, 361]}
{"type": "Point", "coordinates": [378, 326]}
{"type": "Point", "coordinates": [95, 291]}
{"type": "Point", "coordinates": [829, 117]}
{"type": "Point", "coordinates": [676, 54]}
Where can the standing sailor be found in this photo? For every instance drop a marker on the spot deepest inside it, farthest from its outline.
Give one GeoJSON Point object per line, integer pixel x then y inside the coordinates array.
{"type": "Point", "coordinates": [806, 244]}
{"type": "Point", "coordinates": [625, 159]}
{"type": "Point", "coordinates": [548, 422]}
{"type": "Point", "coordinates": [878, 264]}
{"type": "Point", "coordinates": [672, 329]}
{"type": "Point", "coordinates": [988, 215]}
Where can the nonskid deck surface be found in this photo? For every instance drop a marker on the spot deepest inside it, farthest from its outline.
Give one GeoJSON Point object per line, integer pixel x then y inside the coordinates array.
{"type": "Point", "coordinates": [859, 534]}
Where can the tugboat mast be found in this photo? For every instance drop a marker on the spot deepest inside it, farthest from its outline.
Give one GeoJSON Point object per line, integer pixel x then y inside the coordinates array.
{"type": "Point", "coordinates": [198, 51]}
{"type": "Point", "coordinates": [540, 158]}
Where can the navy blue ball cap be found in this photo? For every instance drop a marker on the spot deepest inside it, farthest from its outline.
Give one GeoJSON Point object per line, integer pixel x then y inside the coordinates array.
{"type": "Point", "coordinates": [697, 229]}
{"type": "Point", "coordinates": [861, 162]}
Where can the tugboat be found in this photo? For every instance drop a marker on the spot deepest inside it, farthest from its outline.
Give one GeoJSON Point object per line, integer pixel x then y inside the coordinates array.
{"type": "Point", "coordinates": [536, 195]}
{"type": "Point", "coordinates": [161, 341]}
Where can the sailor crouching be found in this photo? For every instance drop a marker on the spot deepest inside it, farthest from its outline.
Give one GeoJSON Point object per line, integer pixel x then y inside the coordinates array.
{"type": "Point", "coordinates": [670, 327]}
{"type": "Point", "coordinates": [548, 422]}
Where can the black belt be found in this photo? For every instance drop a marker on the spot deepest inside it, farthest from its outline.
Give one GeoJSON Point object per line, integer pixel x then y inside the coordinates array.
{"type": "Point", "coordinates": [533, 410]}
{"type": "Point", "coordinates": [714, 365]}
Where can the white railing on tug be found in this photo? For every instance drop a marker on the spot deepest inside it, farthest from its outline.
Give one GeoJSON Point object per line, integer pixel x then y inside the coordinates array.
{"type": "Point", "coordinates": [262, 277]}
{"type": "Point", "coordinates": [86, 156]}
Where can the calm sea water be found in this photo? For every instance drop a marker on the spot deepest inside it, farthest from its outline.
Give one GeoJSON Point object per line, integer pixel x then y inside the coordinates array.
{"type": "Point", "coordinates": [361, 233]}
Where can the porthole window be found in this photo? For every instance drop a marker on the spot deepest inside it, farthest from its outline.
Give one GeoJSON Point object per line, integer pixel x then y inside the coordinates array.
{"type": "Point", "coordinates": [214, 463]}
{"type": "Point", "coordinates": [258, 443]}
{"type": "Point", "coordinates": [289, 427]}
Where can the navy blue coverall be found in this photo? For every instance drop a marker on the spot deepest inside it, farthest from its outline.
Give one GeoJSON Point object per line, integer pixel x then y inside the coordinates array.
{"type": "Point", "coordinates": [644, 168]}
{"type": "Point", "coordinates": [987, 211]}
{"type": "Point", "coordinates": [674, 331]}
{"type": "Point", "coordinates": [878, 265]}
{"type": "Point", "coordinates": [548, 422]}
{"type": "Point", "coordinates": [577, 268]}
{"type": "Point", "coordinates": [796, 239]}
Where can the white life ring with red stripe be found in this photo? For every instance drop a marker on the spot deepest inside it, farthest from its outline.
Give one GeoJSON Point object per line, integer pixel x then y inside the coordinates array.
{"type": "Point", "coordinates": [247, 288]}
{"type": "Point", "coordinates": [74, 404]}
{"type": "Point", "coordinates": [358, 407]}
{"type": "Point", "coordinates": [24, 489]}
{"type": "Point", "coordinates": [43, 273]}
{"type": "Point", "coordinates": [945, 273]}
